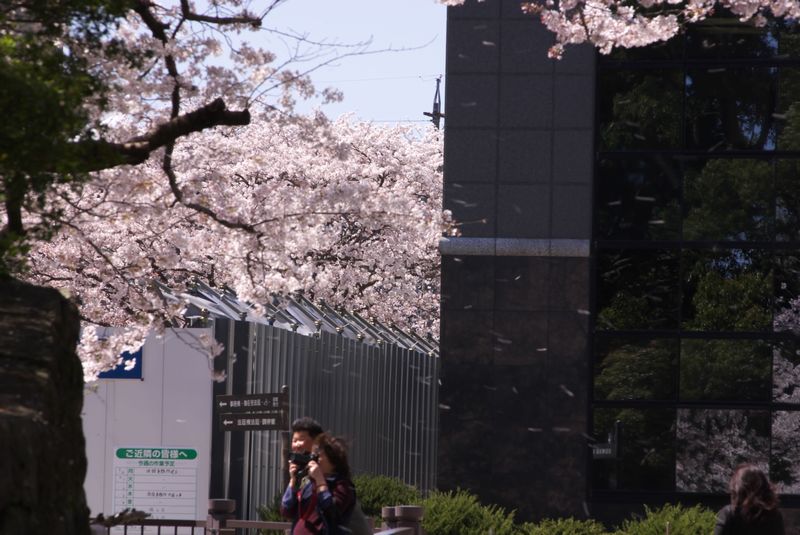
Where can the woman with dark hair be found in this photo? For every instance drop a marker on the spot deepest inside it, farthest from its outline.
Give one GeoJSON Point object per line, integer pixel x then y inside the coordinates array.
{"type": "Point", "coordinates": [754, 505]}
{"type": "Point", "coordinates": [322, 498]}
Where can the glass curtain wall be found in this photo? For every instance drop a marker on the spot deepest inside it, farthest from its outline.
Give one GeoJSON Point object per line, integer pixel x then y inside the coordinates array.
{"type": "Point", "coordinates": [697, 260]}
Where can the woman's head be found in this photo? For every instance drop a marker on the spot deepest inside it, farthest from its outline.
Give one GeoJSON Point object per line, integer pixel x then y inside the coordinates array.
{"type": "Point", "coordinates": [751, 492]}
{"type": "Point", "coordinates": [332, 455]}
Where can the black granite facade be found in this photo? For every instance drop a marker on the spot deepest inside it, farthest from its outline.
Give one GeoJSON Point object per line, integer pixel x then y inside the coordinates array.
{"type": "Point", "coordinates": [516, 283]}
{"type": "Point", "coordinates": [631, 265]}
{"type": "Point", "coordinates": [515, 368]}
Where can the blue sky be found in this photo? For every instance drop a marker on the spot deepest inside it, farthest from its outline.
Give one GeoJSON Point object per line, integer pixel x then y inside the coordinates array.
{"type": "Point", "coordinates": [390, 86]}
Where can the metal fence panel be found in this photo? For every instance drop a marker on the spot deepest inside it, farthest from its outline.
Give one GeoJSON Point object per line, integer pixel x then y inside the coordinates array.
{"type": "Point", "coordinates": [381, 398]}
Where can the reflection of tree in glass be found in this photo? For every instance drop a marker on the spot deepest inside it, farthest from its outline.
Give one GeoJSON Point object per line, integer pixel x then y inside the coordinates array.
{"type": "Point", "coordinates": [638, 290]}
{"type": "Point", "coordinates": [640, 109]}
{"type": "Point", "coordinates": [731, 108]}
{"type": "Point", "coordinates": [787, 292]}
{"type": "Point", "coordinates": [784, 469]}
{"type": "Point", "coordinates": [725, 370]}
{"type": "Point", "coordinates": [713, 442]}
{"type": "Point", "coordinates": [787, 198]}
{"type": "Point", "coordinates": [789, 107]}
{"type": "Point", "coordinates": [789, 138]}
{"type": "Point", "coordinates": [638, 198]}
{"type": "Point", "coordinates": [647, 448]}
{"type": "Point", "coordinates": [637, 370]}
{"type": "Point", "coordinates": [724, 36]}
{"type": "Point", "coordinates": [729, 291]}
{"type": "Point", "coordinates": [729, 200]}
{"type": "Point", "coordinates": [786, 372]}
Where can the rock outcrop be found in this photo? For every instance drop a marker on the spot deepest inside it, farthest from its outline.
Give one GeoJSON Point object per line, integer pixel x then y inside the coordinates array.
{"type": "Point", "coordinates": [42, 448]}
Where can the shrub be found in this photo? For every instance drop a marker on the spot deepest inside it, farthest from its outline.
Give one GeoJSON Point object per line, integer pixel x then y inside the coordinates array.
{"type": "Point", "coordinates": [563, 526]}
{"type": "Point", "coordinates": [460, 513]}
{"type": "Point", "coordinates": [375, 491]}
{"type": "Point", "coordinates": [695, 520]}
{"type": "Point", "coordinates": [271, 513]}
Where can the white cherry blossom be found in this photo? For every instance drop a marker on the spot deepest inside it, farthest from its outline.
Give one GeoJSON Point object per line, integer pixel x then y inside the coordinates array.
{"type": "Point", "coordinates": [607, 24]}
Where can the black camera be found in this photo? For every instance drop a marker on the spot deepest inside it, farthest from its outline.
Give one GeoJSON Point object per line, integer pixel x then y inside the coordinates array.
{"type": "Point", "coordinates": [301, 459]}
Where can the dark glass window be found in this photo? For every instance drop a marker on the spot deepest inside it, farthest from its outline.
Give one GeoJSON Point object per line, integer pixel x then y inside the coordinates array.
{"type": "Point", "coordinates": [646, 449]}
{"type": "Point", "coordinates": [640, 109]}
{"type": "Point", "coordinates": [727, 290]}
{"type": "Point", "coordinates": [710, 442]}
{"type": "Point", "coordinates": [725, 370]}
{"type": "Point", "coordinates": [786, 372]}
{"type": "Point", "coordinates": [789, 45]}
{"type": "Point", "coordinates": [721, 38]}
{"type": "Point", "coordinates": [728, 200]}
{"type": "Point", "coordinates": [636, 369]}
{"type": "Point", "coordinates": [638, 199]}
{"type": "Point", "coordinates": [697, 255]}
{"type": "Point", "coordinates": [785, 455]}
{"type": "Point", "coordinates": [787, 292]}
{"type": "Point", "coordinates": [731, 108]}
{"type": "Point", "coordinates": [660, 51]}
{"type": "Point", "coordinates": [787, 115]}
{"type": "Point", "coordinates": [638, 290]}
{"type": "Point", "coordinates": [787, 200]}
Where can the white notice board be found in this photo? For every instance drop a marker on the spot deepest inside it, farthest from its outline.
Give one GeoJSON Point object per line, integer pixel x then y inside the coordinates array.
{"type": "Point", "coordinates": [158, 480]}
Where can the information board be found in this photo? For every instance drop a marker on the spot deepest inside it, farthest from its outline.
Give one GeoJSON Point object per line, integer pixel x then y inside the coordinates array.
{"type": "Point", "coordinates": [253, 412]}
{"type": "Point", "coordinates": [161, 481]}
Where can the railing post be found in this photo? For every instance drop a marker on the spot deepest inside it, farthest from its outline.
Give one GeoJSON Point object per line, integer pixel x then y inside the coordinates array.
{"type": "Point", "coordinates": [219, 511]}
{"type": "Point", "coordinates": [409, 516]}
{"type": "Point", "coordinates": [389, 518]}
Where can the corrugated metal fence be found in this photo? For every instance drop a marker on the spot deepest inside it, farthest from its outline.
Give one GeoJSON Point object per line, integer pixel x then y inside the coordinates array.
{"type": "Point", "coordinates": [383, 399]}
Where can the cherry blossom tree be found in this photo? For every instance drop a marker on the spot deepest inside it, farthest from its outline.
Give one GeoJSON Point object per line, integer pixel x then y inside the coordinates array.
{"type": "Point", "coordinates": [139, 167]}
{"type": "Point", "coordinates": [352, 218]}
{"type": "Point", "coordinates": [616, 23]}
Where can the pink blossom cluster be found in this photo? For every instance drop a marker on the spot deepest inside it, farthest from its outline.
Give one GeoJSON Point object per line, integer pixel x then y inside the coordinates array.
{"type": "Point", "coordinates": [615, 23]}
{"type": "Point", "coordinates": [348, 212]}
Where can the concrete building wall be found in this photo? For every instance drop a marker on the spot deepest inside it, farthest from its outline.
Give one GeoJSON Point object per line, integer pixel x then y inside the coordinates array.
{"type": "Point", "coordinates": [515, 284]}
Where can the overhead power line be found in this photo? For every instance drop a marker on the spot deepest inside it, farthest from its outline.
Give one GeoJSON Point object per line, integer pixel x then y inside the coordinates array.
{"type": "Point", "coordinates": [423, 77]}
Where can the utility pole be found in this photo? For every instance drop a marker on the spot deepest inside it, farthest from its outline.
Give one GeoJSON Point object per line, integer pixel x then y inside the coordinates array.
{"type": "Point", "coordinates": [436, 114]}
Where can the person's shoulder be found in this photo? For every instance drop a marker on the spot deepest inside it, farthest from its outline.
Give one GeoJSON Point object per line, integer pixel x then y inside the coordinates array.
{"type": "Point", "coordinates": [726, 512]}
{"type": "Point", "coordinates": [775, 520]}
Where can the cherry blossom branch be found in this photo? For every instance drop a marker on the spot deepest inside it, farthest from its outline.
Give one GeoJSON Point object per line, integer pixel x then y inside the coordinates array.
{"type": "Point", "coordinates": [244, 18]}
{"type": "Point", "coordinates": [178, 194]}
{"type": "Point", "coordinates": [104, 155]}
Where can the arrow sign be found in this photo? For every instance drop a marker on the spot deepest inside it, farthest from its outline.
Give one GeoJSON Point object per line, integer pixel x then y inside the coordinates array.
{"type": "Point", "coordinates": [253, 421]}
{"type": "Point", "coordinates": [253, 402]}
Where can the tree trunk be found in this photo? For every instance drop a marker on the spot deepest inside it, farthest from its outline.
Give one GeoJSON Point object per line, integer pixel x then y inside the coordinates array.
{"type": "Point", "coordinates": [42, 448]}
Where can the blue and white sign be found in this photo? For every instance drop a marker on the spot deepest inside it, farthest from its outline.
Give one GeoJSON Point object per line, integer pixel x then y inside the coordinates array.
{"type": "Point", "coordinates": [126, 369]}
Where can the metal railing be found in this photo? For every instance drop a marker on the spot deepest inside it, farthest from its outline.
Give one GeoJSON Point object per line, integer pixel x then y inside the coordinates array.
{"type": "Point", "coordinates": [399, 520]}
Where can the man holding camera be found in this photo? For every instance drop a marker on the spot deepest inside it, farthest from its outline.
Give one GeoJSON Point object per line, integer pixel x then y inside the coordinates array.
{"type": "Point", "coordinates": [304, 431]}
{"type": "Point", "coordinates": [309, 492]}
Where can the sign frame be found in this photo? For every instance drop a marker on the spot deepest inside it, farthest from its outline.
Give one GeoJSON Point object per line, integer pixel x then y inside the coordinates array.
{"type": "Point", "coordinates": [253, 412]}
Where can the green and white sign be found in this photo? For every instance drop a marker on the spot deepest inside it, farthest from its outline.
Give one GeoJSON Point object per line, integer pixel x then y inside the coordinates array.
{"type": "Point", "coordinates": [158, 480]}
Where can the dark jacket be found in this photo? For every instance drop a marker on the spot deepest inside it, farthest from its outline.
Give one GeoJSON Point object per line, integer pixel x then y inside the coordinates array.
{"type": "Point", "coordinates": [730, 522]}
{"type": "Point", "coordinates": [318, 513]}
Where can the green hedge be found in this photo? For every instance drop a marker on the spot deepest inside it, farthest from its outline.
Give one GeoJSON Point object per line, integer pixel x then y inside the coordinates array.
{"type": "Point", "coordinates": [695, 520]}
{"type": "Point", "coordinates": [563, 526]}
{"type": "Point", "coordinates": [375, 492]}
{"type": "Point", "coordinates": [460, 513]}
